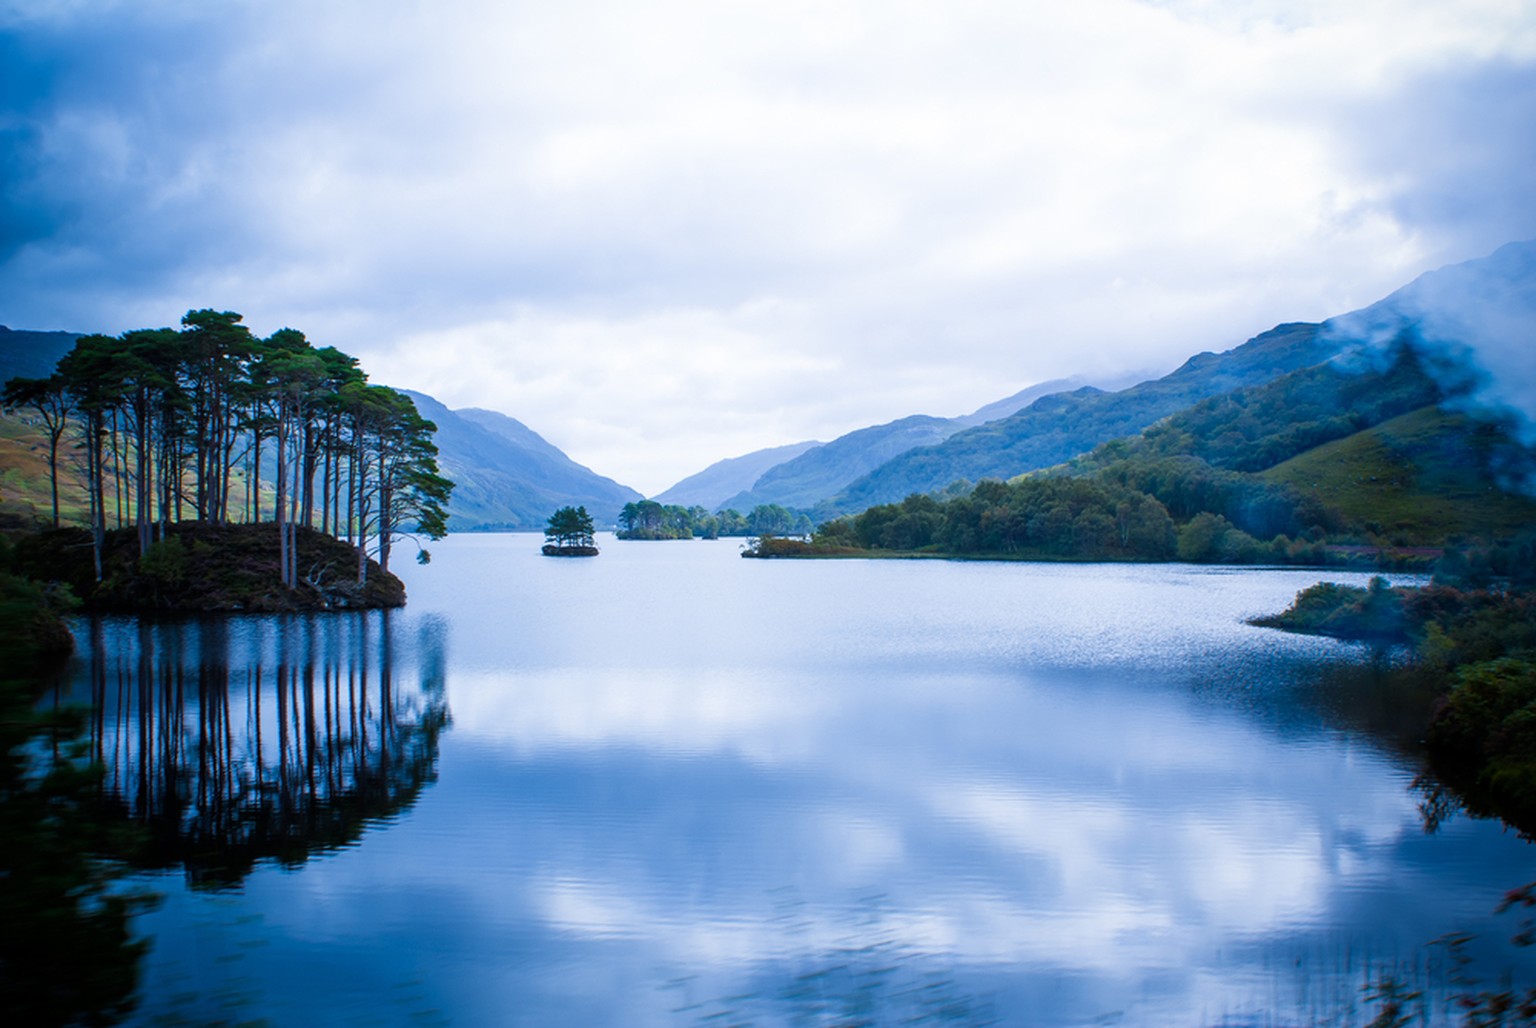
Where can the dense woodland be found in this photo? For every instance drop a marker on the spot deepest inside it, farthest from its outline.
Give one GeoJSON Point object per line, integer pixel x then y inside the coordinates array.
{"type": "Point", "coordinates": [651, 520]}
{"type": "Point", "coordinates": [213, 425]}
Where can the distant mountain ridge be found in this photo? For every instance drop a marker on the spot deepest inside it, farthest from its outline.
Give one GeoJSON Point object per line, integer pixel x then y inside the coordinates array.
{"type": "Point", "coordinates": [723, 479]}
{"type": "Point", "coordinates": [1492, 297]}
{"type": "Point", "coordinates": [817, 473]}
{"type": "Point", "coordinates": [1009, 405]}
{"type": "Point", "coordinates": [509, 477]}
{"type": "Point", "coordinates": [26, 354]}
{"type": "Point", "coordinates": [794, 477]}
{"type": "Point", "coordinates": [803, 479]}
{"type": "Point", "coordinates": [1058, 427]}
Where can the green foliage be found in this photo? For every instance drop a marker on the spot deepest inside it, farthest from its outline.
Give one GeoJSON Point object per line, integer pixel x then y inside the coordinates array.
{"type": "Point", "coordinates": [1189, 486]}
{"type": "Point", "coordinates": [1460, 627]}
{"type": "Point", "coordinates": [163, 568]}
{"type": "Point", "coordinates": [1373, 614]}
{"type": "Point", "coordinates": [1488, 721]}
{"type": "Point", "coordinates": [772, 519]}
{"type": "Point", "coordinates": [166, 426]}
{"type": "Point", "coordinates": [1423, 478]}
{"type": "Point", "coordinates": [1258, 427]}
{"type": "Point", "coordinates": [1476, 648]}
{"type": "Point", "coordinates": [32, 629]}
{"type": "Point", "coordinates": [570, 528]}
{"type": "Point", "coordinates": [1038, 517]}
{"type": "Point", "coordinates": [648, 519]}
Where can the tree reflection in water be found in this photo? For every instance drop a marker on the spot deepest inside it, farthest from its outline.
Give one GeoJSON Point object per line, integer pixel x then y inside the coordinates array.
{"type": "Point", "coordinates": [233, 740]}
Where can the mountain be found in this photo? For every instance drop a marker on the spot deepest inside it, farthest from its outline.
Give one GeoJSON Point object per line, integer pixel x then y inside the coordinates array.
{"type": "Point", "coordinates": [513, 431]}
{"type": "Point", "coordinates": [725, 478]}
{"type": "Point", "coordinates": [820, 472]}
{"type": "Point", "coordinates": [508, 476]}
{"type": "Point", "coordinates": [1484, 305]}
{"type": "Point", "coordinates": [788, 476]}
{"type": "Point", "coordinates": [1058, 427]}
{"type": "Point", "coordinates": [1473, 322]}
{"type": "Point", "coordinates": [26, 354]}
{"type": "Point", "coordinates": [1425, 477]}
{"type": "Point", "coordinates": [1010, 405]}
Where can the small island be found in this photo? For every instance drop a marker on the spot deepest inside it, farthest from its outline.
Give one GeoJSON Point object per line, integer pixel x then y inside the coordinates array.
{"type": "Point", "coordinates": [204, 469]}
{"type": "Point", "coordinates": [570, 534]}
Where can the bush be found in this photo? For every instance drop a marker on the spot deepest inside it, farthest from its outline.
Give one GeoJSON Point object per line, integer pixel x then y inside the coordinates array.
{"type": "Point", "coordinates": [1488, 719]}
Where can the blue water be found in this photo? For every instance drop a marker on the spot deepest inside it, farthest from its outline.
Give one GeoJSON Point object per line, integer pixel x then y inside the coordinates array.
{"type": "Point", "coordinates": [671, 786]}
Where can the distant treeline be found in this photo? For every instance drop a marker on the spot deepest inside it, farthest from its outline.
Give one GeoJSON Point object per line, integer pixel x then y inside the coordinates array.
{"type": "Point", "coordinates": [160, 426]}
{"type": "Point", "coordinates": [1117, 515]}
{"type": "Point", "coordinates": [648, 519]}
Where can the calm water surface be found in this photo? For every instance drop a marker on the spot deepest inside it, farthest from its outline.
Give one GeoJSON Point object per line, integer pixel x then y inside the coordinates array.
{"type": "Point", "coordinates": [671, 786]}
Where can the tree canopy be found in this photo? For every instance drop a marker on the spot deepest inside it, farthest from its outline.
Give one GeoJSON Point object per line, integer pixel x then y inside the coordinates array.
{"type": "Point", "coordinates": [648, 519]}
{"type": "Point", "coordinates": [570, 531]}
{"type": "Point", "coordinates": [160, 426]}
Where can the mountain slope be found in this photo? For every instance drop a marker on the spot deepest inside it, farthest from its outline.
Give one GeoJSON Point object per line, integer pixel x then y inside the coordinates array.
{"type": "Point", "coordinates": [827, 468]}
{"type": "Point", "coordinates": [32, 354]}
{"type": "Point", "coordinates": [1423, 477]}
{"type": "Point", "coordinates": [513, 431]}
{"type": "Point", "coordinates": [1058, 427]}
{"type": "Point", "coordinates": [1482, 308]}
{"type": "Point", "coordinates": [759, 478]}
{"type": "Point", "coordinates": [725, 478]}
{"type": "Point", "coordinates": [1010, 405]}
{"type": "Point", "coordinates": [508, 476]}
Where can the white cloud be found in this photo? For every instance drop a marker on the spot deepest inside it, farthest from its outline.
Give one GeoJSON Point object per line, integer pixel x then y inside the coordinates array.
{"type": "Point", "coordinates": [783, 221]}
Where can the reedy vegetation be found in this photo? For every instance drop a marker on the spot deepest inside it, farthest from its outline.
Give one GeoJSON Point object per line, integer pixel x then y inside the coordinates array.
{"type": "Point", "coordinates": [161, 426]}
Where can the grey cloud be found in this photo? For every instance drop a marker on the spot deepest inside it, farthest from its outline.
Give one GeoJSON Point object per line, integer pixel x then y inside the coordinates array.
{"type": "Point", "coordinates": [918, 210]}
{"type": "Point", "coordinates": [1454, 150]}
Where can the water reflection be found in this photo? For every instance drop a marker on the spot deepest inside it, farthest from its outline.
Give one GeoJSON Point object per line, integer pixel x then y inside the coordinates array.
{"type": "Point", "coordinates": [67, 951]}
{"type": "Point", "coordinates": [1081, 795]}
{"type": "Point", "coordinates": [234, 740]}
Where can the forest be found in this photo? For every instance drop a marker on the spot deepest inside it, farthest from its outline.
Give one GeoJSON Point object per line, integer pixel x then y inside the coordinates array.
{"type": "Point", "coordinates": [213, 426]}
{"type": "Point", "coordinates": [648, 519]}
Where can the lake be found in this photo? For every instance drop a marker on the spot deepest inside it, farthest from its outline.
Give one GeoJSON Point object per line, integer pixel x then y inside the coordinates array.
{"type": "Point", "coordinates": [671, 786]}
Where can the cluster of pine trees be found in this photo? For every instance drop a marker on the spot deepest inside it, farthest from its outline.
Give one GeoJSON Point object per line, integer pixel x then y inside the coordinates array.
{"type": "Point", "coordinates": [160, 426]}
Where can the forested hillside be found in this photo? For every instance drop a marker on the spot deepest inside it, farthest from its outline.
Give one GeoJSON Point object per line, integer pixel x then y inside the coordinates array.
{"type": "Point", "coordinates": [1428, 476]}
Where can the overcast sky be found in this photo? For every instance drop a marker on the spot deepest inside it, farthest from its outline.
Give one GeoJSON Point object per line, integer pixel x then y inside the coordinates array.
{"type": "Point", "coordinates": [664, 233]}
